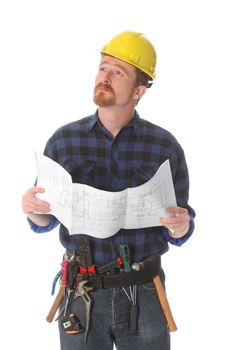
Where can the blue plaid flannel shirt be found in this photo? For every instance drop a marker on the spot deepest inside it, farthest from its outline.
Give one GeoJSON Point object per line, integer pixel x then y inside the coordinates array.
{"type": "Point", "coordinates": [92, 156]}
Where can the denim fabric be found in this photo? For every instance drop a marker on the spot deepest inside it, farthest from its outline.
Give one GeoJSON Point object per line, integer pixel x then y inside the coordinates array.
{"type": "Point", "coordinates": [110, 322]}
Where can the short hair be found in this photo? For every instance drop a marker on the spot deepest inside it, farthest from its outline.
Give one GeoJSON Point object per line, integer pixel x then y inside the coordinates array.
{"type": "Point", "coordinates": [143, 78]}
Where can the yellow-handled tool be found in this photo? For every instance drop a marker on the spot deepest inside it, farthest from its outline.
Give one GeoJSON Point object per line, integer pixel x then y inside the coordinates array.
{"type": "Point", "coordinates": [164, 304]}
{"type": "Point", "coordinates": [56, 304]}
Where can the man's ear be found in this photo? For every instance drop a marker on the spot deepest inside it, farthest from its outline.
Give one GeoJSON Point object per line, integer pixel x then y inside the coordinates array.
{"type": "Point", "coordinates": [140, 91]}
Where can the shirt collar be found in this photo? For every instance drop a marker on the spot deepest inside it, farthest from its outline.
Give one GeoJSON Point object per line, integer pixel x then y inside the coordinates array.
{"type": "Point", "coordinates": [93, 121]}
{"type": "Point", "coordinates": [135, 122]}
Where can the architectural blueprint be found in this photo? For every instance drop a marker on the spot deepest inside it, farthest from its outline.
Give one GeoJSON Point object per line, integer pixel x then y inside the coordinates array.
{"type": "Point", "coordinates": [87, 210]}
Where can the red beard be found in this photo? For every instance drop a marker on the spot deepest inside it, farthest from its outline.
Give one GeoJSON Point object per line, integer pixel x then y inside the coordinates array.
{"type": "Point", "coordinates": [104, 95]}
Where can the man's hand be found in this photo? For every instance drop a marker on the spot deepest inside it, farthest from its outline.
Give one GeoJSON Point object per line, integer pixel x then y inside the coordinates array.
{"type": "Point", "coordinates": [178, 224]}
{"type": "Point", "coordinates": [31, 204]}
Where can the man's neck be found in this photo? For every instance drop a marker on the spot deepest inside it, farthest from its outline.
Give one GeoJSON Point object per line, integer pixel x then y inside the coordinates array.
{"type": "Point", "coordinates": [115, 119]}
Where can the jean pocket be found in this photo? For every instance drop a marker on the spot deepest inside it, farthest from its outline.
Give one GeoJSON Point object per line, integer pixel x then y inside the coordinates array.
{"type": "Point", "coordinates": [148, 285]}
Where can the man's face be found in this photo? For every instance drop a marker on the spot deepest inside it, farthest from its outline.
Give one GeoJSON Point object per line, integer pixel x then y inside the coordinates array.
{"type": "Point", "coordinates": [115, 83]}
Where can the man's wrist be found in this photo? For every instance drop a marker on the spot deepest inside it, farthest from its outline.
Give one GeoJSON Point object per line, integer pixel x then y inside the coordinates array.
{"type": "Point", "coordinates": [42, 220]}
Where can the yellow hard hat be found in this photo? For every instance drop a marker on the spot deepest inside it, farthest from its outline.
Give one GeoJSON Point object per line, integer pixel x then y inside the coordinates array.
{"type": "Point", "coordinates": [133, 48]}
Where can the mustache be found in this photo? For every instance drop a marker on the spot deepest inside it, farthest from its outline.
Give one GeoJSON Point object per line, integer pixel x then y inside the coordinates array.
{"type": "Point", "coordinates": [105, 87]}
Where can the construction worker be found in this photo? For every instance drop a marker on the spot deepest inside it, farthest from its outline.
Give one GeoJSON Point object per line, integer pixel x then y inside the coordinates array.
{"type": "Point", "coordinates": [111, 150]}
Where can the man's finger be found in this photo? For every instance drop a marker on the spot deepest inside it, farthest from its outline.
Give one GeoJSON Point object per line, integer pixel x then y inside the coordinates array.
{"type": "Point", "coordinates": [35, 190]}
{"type": "Point", "coordinates": [175, 219]}
{"type": "Point", "coordinates": [177, 210]}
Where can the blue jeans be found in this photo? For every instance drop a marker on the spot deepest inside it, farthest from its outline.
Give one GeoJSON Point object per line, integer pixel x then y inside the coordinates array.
{"type": "Point", "coordinates": [110, 322]}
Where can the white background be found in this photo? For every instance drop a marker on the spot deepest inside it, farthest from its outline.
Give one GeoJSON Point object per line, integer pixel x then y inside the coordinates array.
{"type": "Point", "coordinates": [49, 58]}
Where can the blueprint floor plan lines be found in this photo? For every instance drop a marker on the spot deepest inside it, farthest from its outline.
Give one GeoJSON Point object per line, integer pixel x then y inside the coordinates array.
{"type": "Point", "coordinates": [86, 210]}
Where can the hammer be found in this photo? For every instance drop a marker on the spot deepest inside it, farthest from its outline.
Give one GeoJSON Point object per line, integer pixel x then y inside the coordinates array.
{"type": "Point", "coordinates": [164, 304]}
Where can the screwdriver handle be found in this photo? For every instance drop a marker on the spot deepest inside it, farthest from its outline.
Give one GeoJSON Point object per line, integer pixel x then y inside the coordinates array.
{"type": "Point", "coordinates": [56, 304]}
{"type": "Point", "coordinates": [124, 253]}
{"type": "Point", "coordinates": [164, 304]}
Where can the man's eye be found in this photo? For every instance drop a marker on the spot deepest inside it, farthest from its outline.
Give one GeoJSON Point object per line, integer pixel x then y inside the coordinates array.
{"type": "Point", "coordinates": [117, 72]}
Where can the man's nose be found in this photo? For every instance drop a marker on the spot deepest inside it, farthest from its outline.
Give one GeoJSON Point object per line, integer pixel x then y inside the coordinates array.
{"type": "Point", "coordinates": [108, 77]}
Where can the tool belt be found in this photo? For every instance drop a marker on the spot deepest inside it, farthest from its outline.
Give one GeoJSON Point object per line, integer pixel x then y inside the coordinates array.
{"type": "Point", "coordinates": [79, 276]}
{"type": "Point", "coordinates": [149, 268]}
{"type": "Point", "coordinates": [121, 272]}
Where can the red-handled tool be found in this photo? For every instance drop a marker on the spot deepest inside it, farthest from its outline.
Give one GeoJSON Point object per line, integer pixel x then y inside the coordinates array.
{"type": "Point", "coordinates": [110, 266]}
{"type": "Point", "coordinates": [86, 266]}
{"type": "Point", "coordinates": [65, 272]}
{"type": "Point", "coordinates": [89, 270]}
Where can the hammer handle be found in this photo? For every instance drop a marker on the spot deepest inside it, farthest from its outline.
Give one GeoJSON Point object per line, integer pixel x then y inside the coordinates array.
{"type": "Point", "coordinates": [164, 304]}
{"type": "Point", "coordinates": [56, 304]}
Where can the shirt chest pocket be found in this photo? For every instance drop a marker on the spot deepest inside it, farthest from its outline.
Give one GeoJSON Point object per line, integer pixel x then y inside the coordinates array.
{"type": "Point", "coordinates": [142, 175]}
{"type": "Point", "coordinates": [82, 172]}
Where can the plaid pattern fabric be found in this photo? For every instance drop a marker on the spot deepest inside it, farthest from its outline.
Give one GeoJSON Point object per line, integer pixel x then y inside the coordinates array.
{"type": "Point", "coordinates": [88, 152]}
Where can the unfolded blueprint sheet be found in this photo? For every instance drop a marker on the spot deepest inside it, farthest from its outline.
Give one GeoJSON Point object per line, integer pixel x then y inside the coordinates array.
{"type": "Point", "coordinates": [87, 210]}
